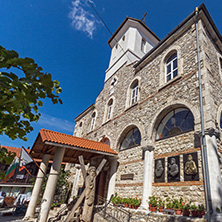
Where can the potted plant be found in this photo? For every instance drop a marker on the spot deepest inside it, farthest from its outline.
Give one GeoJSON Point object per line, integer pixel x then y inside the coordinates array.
{"type": "Point", "coordinates": [194, 210]}
{"type": "Point", "coordinates": [152, 203]}
{"type": "Point", "coordinates": [186, 209]}
{"type": "Point", "coordinates": [126, 202]}
{"type": "Point", "coordinates": [200, 210]}
{"type": "Point", "coordinates": [178, 206]}
{"type": "Point", "coordinates": [137, 203]}
{"type": "Point", "coordinates": [160, 204]}
{"type": "Point", "coordinates": [169, 203]}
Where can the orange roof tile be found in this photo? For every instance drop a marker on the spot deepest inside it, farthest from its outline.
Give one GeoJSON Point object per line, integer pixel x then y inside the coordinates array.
{"type": "Point", "coordinates": [62, 138]}
{"type": "Point", "coordinates": [12, 149]}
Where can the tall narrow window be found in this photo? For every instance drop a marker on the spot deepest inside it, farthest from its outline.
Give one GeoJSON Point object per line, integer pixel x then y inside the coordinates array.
{"type": "Point", "coordinates": [171, 67]}
{"type": "Point", "coordinates": [134, 93]}
{"type": "Point", "coordinates": [93, 121]}
{"type": "Point", "coordinates": [143, 44]}
{"type": "Point", "coordinates": [109, 111]}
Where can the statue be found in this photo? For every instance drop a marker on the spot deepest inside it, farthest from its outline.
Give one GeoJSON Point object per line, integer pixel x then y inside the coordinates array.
{"type": "Point", "coordinates": [90, 194]}
{"type": "Point", "coordinates": [159, 168]}
{"type": "Point", "coordinates": [173, 168]}
{"type": "Point", "coordinates": [190, 166]}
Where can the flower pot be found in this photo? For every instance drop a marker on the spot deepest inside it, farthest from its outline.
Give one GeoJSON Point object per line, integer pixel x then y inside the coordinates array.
{"type": "Point", "coordinates": [126, 205]}
{"type": "Point", "coordinates": [186, 213]}
{"type": "Point", "coordinates": [153, 209]}
{"type": "Point", "coordinates": [200, 214]}
{"type": "Point", "coordinates": [178, 211]}
{"type": "Point", "coordinates": [160, 209]}
{"type": "Point", "coordinates": [194, 213]}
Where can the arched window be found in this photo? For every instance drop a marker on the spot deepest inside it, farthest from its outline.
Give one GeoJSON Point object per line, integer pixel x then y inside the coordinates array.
{"type": "Point", "coordinates": [134, 93]}
{"type": "Point", "coordinates": [109, 109]}
{"type": "Point", "coordinates": [177, 121]}
{"type": "Point", "coordinates": [132, 138]}
{"type": "Point", "coordinates": [171, 67]}
{"type": "Point", "coordinates": [93, 121]}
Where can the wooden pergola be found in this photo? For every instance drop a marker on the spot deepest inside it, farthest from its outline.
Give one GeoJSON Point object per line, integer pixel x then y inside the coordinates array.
{"type": "Point", "coordinates": [60, 147]}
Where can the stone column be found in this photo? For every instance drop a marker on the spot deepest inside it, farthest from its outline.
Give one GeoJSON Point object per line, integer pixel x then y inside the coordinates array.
{"type": "Point", "coordinates": [112, 180]}
{"type": "Point", "coordinates": [214, 172]}
{"type": "Point", "coordinates": [51, 184]}
{"type": "Point", "coordinates": [37, 187]}
{"type": "Point", "coordinates": [147, 176]}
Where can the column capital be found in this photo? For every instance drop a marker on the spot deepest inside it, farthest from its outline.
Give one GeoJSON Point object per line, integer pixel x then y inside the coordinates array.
{"type": "Point", "coordinates": [210, 131]}
{"type": "Point", "coordinates": [148, 148]}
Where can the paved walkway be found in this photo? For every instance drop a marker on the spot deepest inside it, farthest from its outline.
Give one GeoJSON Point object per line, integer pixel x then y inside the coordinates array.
{"type": "Point", "coordinates": [13, 219]}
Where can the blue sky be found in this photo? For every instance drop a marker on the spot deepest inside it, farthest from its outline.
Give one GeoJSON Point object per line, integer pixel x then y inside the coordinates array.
{"type": "Point", "coordinates": [67, 39]}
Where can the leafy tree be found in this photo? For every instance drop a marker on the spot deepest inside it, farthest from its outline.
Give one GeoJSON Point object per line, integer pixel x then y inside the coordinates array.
{"type": "Point", "coordinates": [6, 157]}
{"type": "Point", "coordinates": [21, 94]}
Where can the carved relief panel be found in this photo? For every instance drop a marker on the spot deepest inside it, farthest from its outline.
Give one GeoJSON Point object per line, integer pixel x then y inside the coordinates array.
{"type": "Point", "coordinates": [159, 171]}
{"type": "Point", "coordinates": [173, 169]}
{"type": "Point", "coordinates": [190, 166]}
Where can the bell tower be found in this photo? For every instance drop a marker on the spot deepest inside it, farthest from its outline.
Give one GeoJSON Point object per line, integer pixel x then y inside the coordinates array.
{"type": "Point", "coordinates": [131, 41]}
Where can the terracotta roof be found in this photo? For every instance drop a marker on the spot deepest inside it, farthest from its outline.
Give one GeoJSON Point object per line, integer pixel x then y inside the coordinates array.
{"type": "Point", "coordinates": [12, 149]}
{"type": "Point", "coordinates": [61, 138]}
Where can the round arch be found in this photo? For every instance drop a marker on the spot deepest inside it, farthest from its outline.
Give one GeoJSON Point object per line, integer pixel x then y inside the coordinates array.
{"type": "Point", "coordinates": [124, 132]}
{"type": "Point", "coordinates": [170, 106]}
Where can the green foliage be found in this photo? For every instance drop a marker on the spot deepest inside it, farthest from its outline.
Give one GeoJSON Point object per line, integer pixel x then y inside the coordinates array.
{"type": "Point", "coordinates": [187, 206]}
{"type": "Point", "coordinates": [62, 187]}
{"type": "Point", "coordinates": [219, 210]}
{"type": "Point", "coordinates": [160, 202]}
{"type": "Point", "coordinates": [178, 204]}
{"type": "Point", "coordinates": [5, 157]}
{"type": "Point", "coordinates": [21, 95]}
{"type": "Point", "coordinates": [200, 207]}
{"type": "Point", "coordinates": [193, 207]}
{"type": "Point", "coordinates": [116, 199]}
{"type": "Point", "coordinates": [153, 201]}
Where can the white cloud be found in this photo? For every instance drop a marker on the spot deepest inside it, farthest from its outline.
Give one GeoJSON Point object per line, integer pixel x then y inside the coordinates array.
{"type": "Point", "coordinates": [53, 123]}
{"type": "Point", "coordinates": [82, 18]}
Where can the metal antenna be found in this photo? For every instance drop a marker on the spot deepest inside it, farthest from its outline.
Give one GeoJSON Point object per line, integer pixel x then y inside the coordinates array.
{"type": "Point", "coordinates": [143, 19]}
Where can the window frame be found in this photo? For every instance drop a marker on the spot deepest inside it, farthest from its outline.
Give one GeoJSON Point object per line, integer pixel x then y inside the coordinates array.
{"type": "Point", "coordinates": [109, 109]}
{"type": "Point", "coordinates": [170, 61]}
{"type": "Point", "coordinates": [134, 93]}
{"type": "Point", "coordinates": [143, 45]}
{"type": "Point", "coordinates": [164, 121]}
{"type": "Point", "coordinates": [125, 136]}
{"type": "Point", "coordinates": [93, 120]}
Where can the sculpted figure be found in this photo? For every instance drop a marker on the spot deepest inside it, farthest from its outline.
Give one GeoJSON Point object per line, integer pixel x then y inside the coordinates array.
{"type": "Point", "coordinates": [90, 195]}
{"type": "Point", "coordinates": [173, 168]}
{"type": "Point", "coordinates": [190, 166]}
{"type": "Point", "coordinates": [159, 168]}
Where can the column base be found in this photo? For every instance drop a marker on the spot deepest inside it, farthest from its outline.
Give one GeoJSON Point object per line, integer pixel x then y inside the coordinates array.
{"type": "Point", "coordinates": [29, 218]}
{"type": "Point", "coordinates": [144, 208]}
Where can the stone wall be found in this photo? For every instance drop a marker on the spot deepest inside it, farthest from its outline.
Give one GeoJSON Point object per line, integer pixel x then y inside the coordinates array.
{"type": "Point", "coordinates": [155, 100]}
{"type": "Point", "coordinates": [117, 214]}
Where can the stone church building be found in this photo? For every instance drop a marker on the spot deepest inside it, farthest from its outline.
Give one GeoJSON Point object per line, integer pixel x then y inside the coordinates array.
{"type": "Point", "coordinates": [152, 129]}
{"type": "Point", "coordinates": [149, 111]}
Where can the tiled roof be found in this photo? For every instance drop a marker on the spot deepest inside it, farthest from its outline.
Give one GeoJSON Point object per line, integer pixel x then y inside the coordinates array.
{"type": "Point", "coordinates": [61, 138]}
{"type": "Point", "coordinates": [12, 149]}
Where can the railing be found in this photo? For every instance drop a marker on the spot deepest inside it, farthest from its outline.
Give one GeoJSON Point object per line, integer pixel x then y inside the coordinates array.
{"type": "Point", "coordinates": [110, 212]}
{"type": "Point", "coordinates": [63, 211]}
